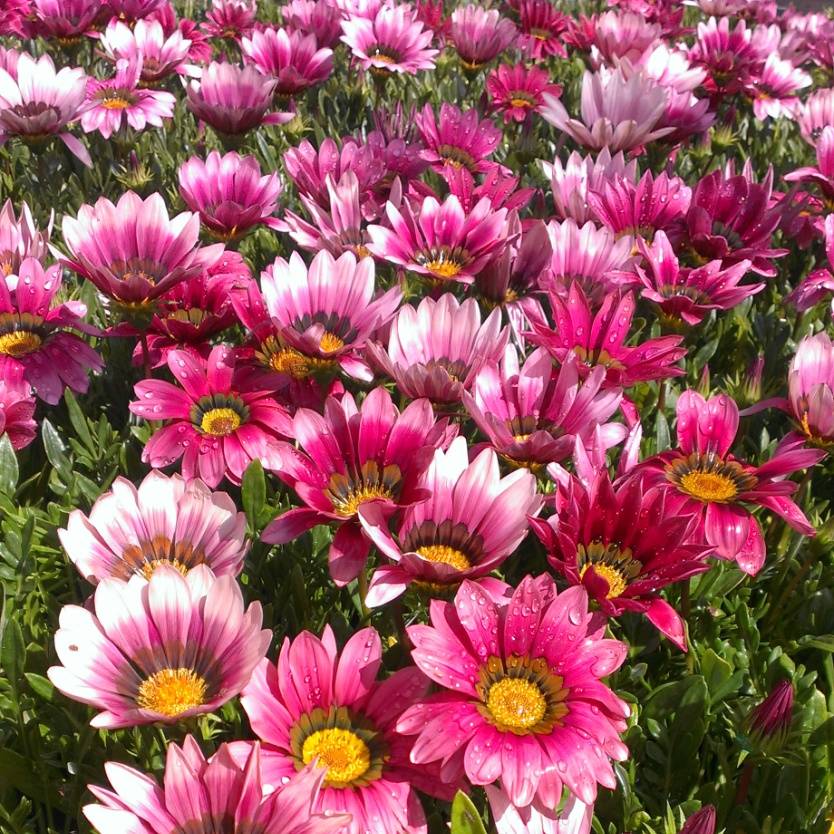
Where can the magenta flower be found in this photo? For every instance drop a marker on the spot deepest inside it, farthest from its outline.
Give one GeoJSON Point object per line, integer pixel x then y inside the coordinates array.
{"type": "Point", "coordinates": [541, 29]}
{"type": "Point", "coordinates": [321, 18]}
{"type": "Point", "coordinates": [774, 89]}
{"type": "Point", "coordinates": [701, 822]}
{"type": "Point", "coordinates": [706, 479]}
{"type": "Point", "coordinates": [17, 406]}
{"type": "Point", "coordinates": [728, 55]}
{"type": "Point", "coordinates": [34, 332]}
{"type": "Point", "coordinates": [599, 339]}
{"type": "Point", "coordinates": [348, 457]}
{"type": "Point", "coordinates": [346, 718]}
{"type": "Point", "coordinates": [480, 35]}
{"type": "Point", "coordinates": [8, 60]}
{"type": "Point", "coordinates": [622, 542]}
{"type": "Point", "coordinates": [37, 101]}
{"type": "Point", "coordinates": [615, 35]}
{"type": "Point", "coordinates": [816, 113]}
{"type": "Point", "coordinates": [166, 521]}
{"type": "Point", "coordinates": [472, 521]}
{"type": "Point", "coordinates": [672, 69]}
{"type": "Point", "coordinates": [218, 421]}
{"type": "Point", "coordinates": [440, 241]}
{"type": "Point", "coordinates": [146, 46]}
{"type": "Point", "coordinates": [522, 702]}
{"type": "Point", "coordinates": [292, 58]}
{"type": "Point", "coordinates": [20, 238]}
{"type": "Point", "coordinates": [158, 650]}
{"type": "Point", "coordinates": [517, 91]}
{"type": "Point", "coordinates": [533, 414]}
{"type": "Point", "coordinates": [811, 389]}
{"type": "Point", "coordinates": [818, 284]}
{"type": "Point", "coordinates": [436, 350]}
{"type": "Point", "coordinates": [316, 321]}
{"type": "Point", "coordinates": [230, 19]}
{"type": "Point", "coordinates": [393, 40]}
{"type": "Point", "coordinates": [132, 251]}
{"type": "Point", "coordinates": [219, 794]}
{"type": "Point", "coordinates": [133, 10]}
{"type": "Point", "coordinates": [66, 20]}
{"type": "Point", "coordinates": [822, 174]}
{"type": "Point", "coordinates": [575, 818]}
{"type": "Point", "coordinates": [230, 194]}
{"type": "Point", "coordinates": [687, 295]}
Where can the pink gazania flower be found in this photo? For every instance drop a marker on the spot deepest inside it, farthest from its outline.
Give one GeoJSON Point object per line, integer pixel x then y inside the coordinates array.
{"type": "Point", "coordinates": [218, 794]}
{"type": "Point", "coordinates": [166, 521]}
{"type": "Point", "coordinates": [816, 113]}
{"type": "Point", "coordinates": [118, 101]}
{"type": "Point", "coordinates": [440, 241]}
{"type": "Point", "coordinates": [598, 340]}
{"type": "Point", "coordinates": [822, 174]}
{"type": "Point", "coordinates": [230, 19]}
{"type": "Point", "coordinates": [316, 322]}
{"type": "Point", "coordinates": [17, 406]}
{"type": "Point", "coordinates": [35, 332]}
{"type": "Point", "coordinates": [641, 209]}
{"type": "Point", "coordinates": [616, 35]}
{"type": "Point", "coordinates": [321, 18]}
{"type": "Point", "coordinates": [230, 194]}
{"type": "Point", "coordinates": [472, 522]}
{"type": "Point", "coordinates": [533, 413]}
{"type": "Point", "coordinates": [517, 91]}
{"type": "Point", "coordinates": [774, 88]}
{"type": "Point", "coordinates": [14, 18]}
{"type": "Point", "coordinates": [811, 389]}
{"type": "Point", "coordinates": [37, 102]}
{"type": "Point", "coordinates": [458, 139]}
{"type": "Point", "coordinates": [132, 251]}
{"type": "Point", "coordinates": [348, 457]}
{"type": "Point", "coordinates": [435, 350]}
{"type": "Point", "coordinates": [727, 54]}
{"type": "Point", "coordinates": [622, 543]}
{"type": "Point", "coordinates": [687, 295]}
{"type": "Point", "coordinates": [575, 818]}
{"type": "Point", "coordinates": [65, 20]}
{"type": "Point", "coordinates": [685, 116]}
{"type": "Point", "coordinates": [133, 10]}
{"type": "Point", "coordinates": [393, 40]}
{"type": "Point", "coordinates": [218, 423]}
{"type": "Point", "coordinates": [397, 141]}
{"type": "Point", "coordinates": [521, 699]}
{"type": "Point", "coordinates": [572, 181]}
{"type": "Point", "coordinates": [707, 480]}
{"type": "Point", "coordinates": [20, 238]}
{"type": "Point", "coordinates": [480, 35]}
{"type": "Point", "coordinates": [234, 100]}
{"type": "Point", "coordinates": [158, 650]}
{"type": "Point", "coordinates": [346, 718]}
{"type": "Point", "coordinates": [541, 29]}
{"type": "Point", "coordinates": [290, 57]}
{"type": "Point", "coordinates": [8, 60]}
{"type": "Point", "coordinates": [619, 111]}
{"type": "Point", "coordinates": [147, 46]}
{"type": "Point", "coordinates": [672, 69]}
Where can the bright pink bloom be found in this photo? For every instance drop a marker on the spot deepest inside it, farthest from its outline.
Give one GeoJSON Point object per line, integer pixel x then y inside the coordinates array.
{"type": "Point", "coordinates": [231, 19]}
{"type": "Point", "coordinates": [706, 479]}
{"type": "Point", "coordinates": [623, 543]}
{"type": "Point", "coordinates": [816, 113]}
{"type": "Point", "coordinates": [687, 295]}
{"type": "Point", "coordinates": [541, 28]}
{"type": "Point", "coordinates": [822, 174]}
{"type": "Point", "coordinates": [158, 650]}
{"type": "Point", "coordinates": [66, 20]}
{"type": "Point", "coordinates": [321, 703]}
{"type": "Point", "coordinates": [471, 523]}
{"type": "Point", "coordinates": [517, 91]}
{"type": "Point", "coordinates": [230, 194]}
{"type": "Point", "coordinates": [8, 60]}
{"type": "Point", "coordinates": [146, 45]}
{"type": "Point", "coordinates": [394, 40]}
{"type": "Point", "coordinates": [17, 406]}
{"type": "Point", "coordinates": [397, 141]}
{"type": "Point", "coordinates": [38, 101]}
{"type": "Point", "coordinates": [575, 818]}
{"type": "Point", "coordinates": [316, 322]}
{"type": "Point", "coordinates": [617, 35]}
{"type": "Point", "coordinates": [218, 421]}
{"type": "Point", "coordinates": [727, 54]}
{"type": "Point", "coordinates": [132, 251]}
{"type": "Point", "coordinates": [672, 69]}
{"type": "Point", "coordinates": [685, 116]}
{"type": "Point", "coordinates": [118, 101]}
{"type": "Point", "coordinates": [348, 457]}
{"type": "Point", "coordinates": [321, 18]}
{"type": "Point", "coordinates": [35, 332]}
{"type": "Point", "coordinates": [132, 10]}
{"type": "Point", "coordinates": [480, 35]}
{"type": "Point", "coordinates": [440, 241]}
{"type": "Point", "coordinates": [522, 700]}
{"type": "Point", "coordinates": [290, 57]}
{"type": "Point", "coordinates": [774, 89]}
{"type": "Point", "coordinates": [166, 521]}
{"type": "Point", "coordinates": [811, 388]}
{"type": "Point", "coordinates": [14, 18]}
{"type": "Point", "coordinates": [435, 350]}
{"type": "Point", "coordinates": [20, 238]}
{"type": "Point", "coordinates": [219, 795]}
{"type": "Point", "coordinates": [533, 413]}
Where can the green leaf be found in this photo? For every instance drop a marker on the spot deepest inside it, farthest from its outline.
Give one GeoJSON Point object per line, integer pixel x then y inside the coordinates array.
{"type": "Point", "coordinates": [822, 641]}
{"type": "Point", "coordinates": [253, 493]}
{"type": "Point", "coordinates": [41, 686]}
{"type": "Point", "coordinates": [8, 466]}
{"type": "Point", "coordinates": [19, 772]}
{"type": "Point", "coordinates": [465, 816]}
{"type": "Point", "coordinates": [12, 654]}
{"type": "Point", "coordinates": [55, 450]}
{"type": "Point", "coordinates": [79, 421]}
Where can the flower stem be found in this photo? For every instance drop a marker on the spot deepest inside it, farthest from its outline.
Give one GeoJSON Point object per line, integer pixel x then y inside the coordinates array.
{"type": "Point", "coordinates": [146, 357]}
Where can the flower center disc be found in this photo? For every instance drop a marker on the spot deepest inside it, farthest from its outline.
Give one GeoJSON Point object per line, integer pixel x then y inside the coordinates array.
{"type": "Point", "coordinates": [330, 343]}
{"type": "Point", "coordinates": [147, 569]}
{"type": "Point", "coordinates": [350, 505]}
{"type": "Point", "coordinates": [113, 101]}
{"type": "Point", "coordinates": [445, 555]}
{"type": "Point", "coordinates": [342, 752]}
{"type": "Point", "coordinates": [220, 422]}
{"type": "Point", "coordinates": [171, 692]}
{"type": "Point", "coordinates": [19, 343]}
{"type": "Point", "coordinates": [709, 486]}
{"type": "Point", "coordinates": [516, 704]}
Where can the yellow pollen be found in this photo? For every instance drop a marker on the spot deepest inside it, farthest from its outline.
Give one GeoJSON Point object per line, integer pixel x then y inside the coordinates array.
{"type": "Point", "coordinates": [521, 102]}
{"type": "Point", "coordinates": [330, 343]}
{"type": "Point", "coordinates": [444, 268]}
{"type": "Point", "coordinates": [115, 103]}
{"type": "Point", "coordinates": [171, 692]}
{"type": "Point", "coordinates": [520, 438]}
{"type": "Point", "coordinates": [6, 268]}
{"type": "Point", "coordinates": [616, 582]}
{"type": "Point", "coordinates": [445, 555]}
{"type": "Point", "coordinates": [293, 363]}
{"type": "Point", "coordinates": [386, 59]}
{"type": "Point", "coordinates": [346, 757]}
{"type": "Point", "coordinates": [709, 486]}
{"type": "Point", "coordinates": [220, 422]}
{"type": "Point", "coordinates": [350, 505]}
{"type": "Point", "coordinates": [361, 251]}
{"type": "Point", "coordinates": [516, 703]}
{"type": "Point", "coordinates": [19, 343]}
{"type": "Point", "coordinates": [148, 568]}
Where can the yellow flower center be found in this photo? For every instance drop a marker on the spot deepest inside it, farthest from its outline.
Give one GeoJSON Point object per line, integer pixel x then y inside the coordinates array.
{"type": "Point", "coordinates": [616, 583]}
{"type": "Point", "coordinates": [443, 268]}
{"type": "Point", "coordinates": [220, 422]}
{"type": "Point", "coordinates": [291, 362]}
{"type": "Point", "coordinates": [342, 752]}
{"type": "Point", "coordinates": [171, 692]}
{"type": "Point", "coordinates": [350, 505]}
{"type": "Point", "coordinates": [445, 555]}
{"type": "Point", "coordinates": [709, 486]}
{"type": "Point", "coordinates": [6, 268]}
{"type": "Point", "coordinates": [517, 101]}
{"type": "Point", "coordinates": [147, 569]}
{"type": "Point", "coordinates": [330, 343]}
{"type": "Point", "coordinates": [516, 703]}
{"type": "Point", "coordinates": [614, 564]}
{"type": "Point", "coordinates": [19, 343]}
{"type": "Point", "coordinates": [115, 102]}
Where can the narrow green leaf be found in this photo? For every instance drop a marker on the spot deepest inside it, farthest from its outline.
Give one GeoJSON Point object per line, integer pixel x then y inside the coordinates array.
{"type": "Point", "coordinates": [41, 686]}
{"type": "Point", "coordinates": [465, 816]}
{"type": "Point", "coordinates": [12, 655]}
{"type": "Point", "coordinates": [79, 421]}
{"type": "Point", "coordinates": [9, 471]}
{"type": "Point", "coordinates": [253, 493]}
{"type": "Point", "coordinates": [56, 452]}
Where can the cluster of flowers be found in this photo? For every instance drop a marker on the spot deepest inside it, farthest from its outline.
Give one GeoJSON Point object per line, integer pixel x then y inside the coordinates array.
{"type": "Point", "coordinates": [505, 687]}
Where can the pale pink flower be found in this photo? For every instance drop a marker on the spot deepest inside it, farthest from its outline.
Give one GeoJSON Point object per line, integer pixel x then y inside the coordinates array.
{"type": "Point", "coordinates": [147, 45]}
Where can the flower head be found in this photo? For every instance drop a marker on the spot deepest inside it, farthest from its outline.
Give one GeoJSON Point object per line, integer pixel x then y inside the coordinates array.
{"type": "Point", "coordinates": [541, 27]}
{"type": "Point", "coordinates": [66, 20]}
{"type": "Point", "coordinates": [728, 55]}
{"type": "Point", "coordinates": [146, 46]}
{"type": "Point", "coordinates": [811, 388]}
{"type": "Point", "coordinates": [480, 34]}
{"type": "Point", "coordinates": [20, 238]}
{"type": "Point", "coordinates": [318, 17]}
{"type": "Point", "coordinates": [616, 35]}
{"type": "Point", "coordinates": [517, 91]}
{"type": "Point", "coordinates": [17, 406]}
{"type": "Point", "coordinates": [230, 19]}
{"type": "Point", "coordinates": [774, 89]}
{"type": "Point", "coordinates": [816, 113]}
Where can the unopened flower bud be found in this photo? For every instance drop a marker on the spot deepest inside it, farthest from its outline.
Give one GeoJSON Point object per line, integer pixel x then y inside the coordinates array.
{"type": "Point", "coordinates": [701, 822]}
{"type": "Point", "coordinates": [770, 722]}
